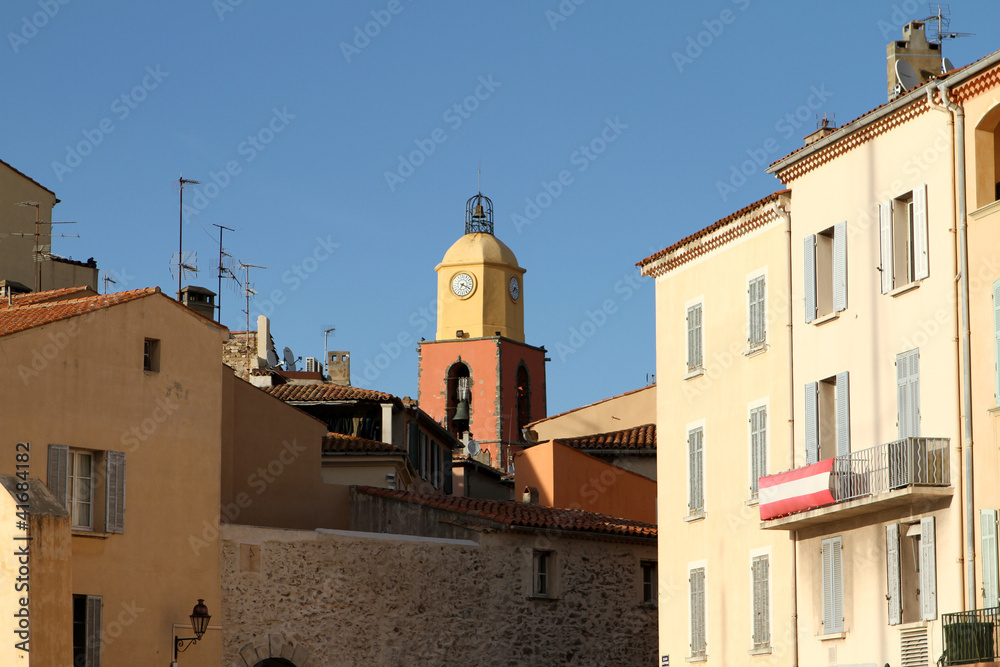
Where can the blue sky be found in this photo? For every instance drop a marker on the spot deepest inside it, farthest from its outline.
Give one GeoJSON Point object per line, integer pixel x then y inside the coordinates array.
{"type": "Point", "coordinates": [341, 140]}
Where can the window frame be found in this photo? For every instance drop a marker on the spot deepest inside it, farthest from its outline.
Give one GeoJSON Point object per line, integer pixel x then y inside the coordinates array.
{"type": "Point", "coordinates": [696, 511]}
{"type": "Point", "coordinates": [73, 501]}
{"type": "Point", "coordinates": [832, 584]}
{"type": "Point", "coordinates": [825, 273]}
{"type": "Point", "coordinates": [903, 241]}
{"type": "Point", "coordinates": [649, 582]}
{"type": "Point", "coordinates": [543, 565]}
{"type": "Point", "coordinates": [757, 321]}
{"type": "Point", "coordinates": [151, 355]}
{"type": "Point", "coordinates": [90, 608]}
{"type": "Point", "coordinates": [762, 443]}
{"type": "Point", "coordinates": [694, 336]}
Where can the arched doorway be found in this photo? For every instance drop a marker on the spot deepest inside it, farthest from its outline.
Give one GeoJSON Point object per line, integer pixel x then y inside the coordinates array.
{"type": "Point", "coordinates": [275, 662]}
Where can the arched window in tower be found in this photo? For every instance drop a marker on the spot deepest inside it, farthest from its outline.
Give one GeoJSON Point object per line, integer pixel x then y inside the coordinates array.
{"type": "Point", "coordinates": [523, 400]}
{"type": "Point", "coordinates": [459, 406]}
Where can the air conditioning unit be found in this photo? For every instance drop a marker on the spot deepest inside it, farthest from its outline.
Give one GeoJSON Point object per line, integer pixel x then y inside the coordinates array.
{"type": "Point", "coordinates": [312, 365]}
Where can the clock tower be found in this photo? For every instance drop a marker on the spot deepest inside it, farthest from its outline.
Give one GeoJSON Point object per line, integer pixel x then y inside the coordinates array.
{"type": "Point", "coordinates": [479, 379]}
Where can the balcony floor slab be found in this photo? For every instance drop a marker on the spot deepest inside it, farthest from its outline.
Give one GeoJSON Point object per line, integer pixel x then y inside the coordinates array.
{"type": "Point", "coordinates": [858, 506]}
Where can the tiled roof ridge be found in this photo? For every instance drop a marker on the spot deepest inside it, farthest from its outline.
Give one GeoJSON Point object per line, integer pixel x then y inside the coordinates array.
{"type": "Point", "coordinates": [21, 300]}
{"type": "Point", "coordinates": [16, 319]}
{"type": "Point", "coordinates": [363, 444]}
{"type": "Point", "coordinates": [715, 226]}
{"type": "Point", "coordinates": [327, 392]}
{"type": "Point", "coordinates": [523, 515]}
{"type": "Point", "coordinates": [627, 438]}
{"type": "Point", "coordinates": [102, 300]}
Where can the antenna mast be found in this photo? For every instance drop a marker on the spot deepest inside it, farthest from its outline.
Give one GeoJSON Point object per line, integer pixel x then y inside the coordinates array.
{"type": "Point", "coordinates": [248, 291]}
{"type": "Point", "coordinates": [222, 271]}
{"type": "Point", "coordinates": [38, 248]}
{"type": "Point", "coordinates": [180, 225]}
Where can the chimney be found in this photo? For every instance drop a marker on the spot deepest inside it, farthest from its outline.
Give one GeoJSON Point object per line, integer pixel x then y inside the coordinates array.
{"type": "Point", "coordinates": [200, 300]}
{"type": "Point", "coordinates": [263, 336]}
{"type": "Point", "coordinates": [825, 127]}
{"type": "Point", "coordinates": [912, 61]}
{"type": "Point", "coordinates": [530, 495]}
{"type": "Point", "coordinates": [338, 367]}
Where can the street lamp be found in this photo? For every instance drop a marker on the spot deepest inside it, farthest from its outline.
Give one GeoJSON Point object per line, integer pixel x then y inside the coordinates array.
{"type": "Point", "coordinates": [199, 623]}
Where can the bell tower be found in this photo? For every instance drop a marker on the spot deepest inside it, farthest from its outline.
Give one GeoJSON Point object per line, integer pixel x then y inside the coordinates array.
{"type": "Point", "coordinates": [479, 379]}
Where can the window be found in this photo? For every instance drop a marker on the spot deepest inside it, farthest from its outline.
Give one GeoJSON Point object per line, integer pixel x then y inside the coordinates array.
{"type": "Point", "coordinates": [908, 394]}
{"type": "Point", "coordinates": [911, 571]}
{"type": "Point", "coordinates": [758, 447]}
{"type": "Point", "coordinates": [695, 338]}
{"type": "Point", "coordinates": [696, 582]}
{"type": "Point", "coordinates": [828, 418]}
{"type": "Point", "coordinates": [435, 454]}
{"type": "Point", "coordinates": [903, 239]}
{"type": "Point", "coordinates": [542, 571]}
{"type": "Point", "coordinates": [760, 572]}
{"type": "Point", "coordinates": [696, 471]}
{"type": "Point", "coordinates": [87, 630]}
{"type": "Point", "coordinates": [756, 314]}
{"type": "Point", "coordinates": [988, 536]}
{"type": "Point", "coordinates": [151, 355]}
{"type": "Point", "coordinates": [648, 582]}
{"type": "Point", "coordinates": [79, 479]}
{"type": "Point", "coordinates": [523, 401]}
{"type": "Point", "coordinates": [833, 585]}
{"type": "Point", "coordinates": [825, 262]}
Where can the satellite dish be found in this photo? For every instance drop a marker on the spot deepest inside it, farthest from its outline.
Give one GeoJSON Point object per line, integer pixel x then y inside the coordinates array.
{"type": "Point", "coordinates": [947, 66]}
{"type": "Point", "coordinates": [906, 75]}
{"type": "Point", "coordinates": [272, 358]}
{"type": "Point", "coordinates": [474, 447]}
{"type": "Point", "coordinates": [289, 357]}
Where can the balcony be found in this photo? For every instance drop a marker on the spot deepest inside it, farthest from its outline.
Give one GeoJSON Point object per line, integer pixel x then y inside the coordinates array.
{"type": "Point", "coordinates": [971, 637]}
{"type": "Point", "coordinates": [888, 475]}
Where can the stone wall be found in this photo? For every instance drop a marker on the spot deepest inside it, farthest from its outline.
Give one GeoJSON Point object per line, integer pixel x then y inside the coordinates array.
{"type": "Point", "coordinates": [343, 598]}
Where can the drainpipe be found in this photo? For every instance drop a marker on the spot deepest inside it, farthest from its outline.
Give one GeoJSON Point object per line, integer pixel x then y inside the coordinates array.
{"type": "Point", "coordinates": [963, 253]}
{"type": "Point", "coordinates": [786, 214]}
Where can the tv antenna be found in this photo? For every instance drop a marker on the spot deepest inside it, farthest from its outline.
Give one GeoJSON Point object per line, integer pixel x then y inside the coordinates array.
{"type": "Point", "coordinates": [180, 248]}
{"type": "Point", "coordinates": [41, 251]}
{"type": "Point", "coordinates": [108, 279]}
{"type": "Point", "coordinates": [222, 271]}
{"type": "Point", "coordinates": [939, 24]}
{"type": "Point", "coordinates": [326, 353]}
{"type": "Point", "coordinates": [248, 291]}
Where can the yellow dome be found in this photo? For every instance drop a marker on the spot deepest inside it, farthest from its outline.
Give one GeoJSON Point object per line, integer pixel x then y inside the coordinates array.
{"type": "Point", "coordinates": [477, 248]}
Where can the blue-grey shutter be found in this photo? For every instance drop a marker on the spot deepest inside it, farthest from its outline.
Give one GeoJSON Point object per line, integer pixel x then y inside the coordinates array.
{"type": "Point", "coordinates": [760, 572]}
{"type": "Point", "coordinates": [833, 586]}
{"type": "Point", "coordinates": [809, 286]}
{"type": "Point", "coordinates": [812, 423]}
{"type": "Point", "coordinates": [758, 447]}
{"type": "Point", "coordinates": [908, 394]}
{"type": "Point", "coordinates": [996, 339]}
{"type": "Point", "coordinates": [885, 242]}
{"type": "Point", "coordinates": [843, 415]}
{"type": "Point", "coordinates": [840, 266]}
{"type": "Point", "coordinates": [58, 473]}
{"type": "Point", "coordinates": [892, 573]}
{"type": "Point", "coordinates": [694, 319]}
{"type": "Point", "coordinates": [698, 639]}
{"type": "Point", "coordinates": [928, 570]}
{"type": "Point", "coordinates": [756, 317]}
{"type": "Point", "coordinates": [988, 532]}
{"type": "Point", "coordinates": [921, 267]}
{"type": "Point", "coordinates": [114, 492]}
{"type": "Point", "coordinates": [696, 471]}
{"type": "Point", "coordinates": [93, 631]}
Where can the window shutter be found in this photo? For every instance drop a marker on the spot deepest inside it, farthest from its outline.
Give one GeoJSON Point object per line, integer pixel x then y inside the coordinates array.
{"type": "Point", "coordinates": [843, 415]}
{"type": "Point", "coordinates": [758, 450]}
{"type": "Point", "coordinates": [892, 573]}
{"type": "Point", "coordinates": [908, 393]}
{"type": "Point", "coordinates": [694, 337]}
{"type": "Point", "coordinates": [920, 263]}
{"type": "Point", "coordinates": [93, 646]}
{"type": "Point", "coordinates": [836, 586]}
{"type": "Point", "coordinates": [829, 602]}
{"type": "Point", "coordinates": [988, 531]}
{"type": "Point", "coordinates": [761, 602]}
{"type": "Point", "coordinates": [696, 489]}
{"type": "Point", "coordinates": [448, 464]}
{"type": "Point", "coordinates": [885, 241]}
{"type": "Point", "coordinates": [840, 266]}
{"type": "Point", "coordinates": [698, 339]}
{"type": "Point", "coordinates": [812, 423]}
{"type": "Point", "coordinates": [58, 473]}
{"type": "Point", "coordinates": [996, 338]}
{"type": "Point", "coordinates": [698, 611]}
{"type": "Point", "coordinates": [114, 492]}
{"type": "Point", "coordinates": [809, 286]}
{"type": "Point", "coordinates": [928, 574]}
{"type": "Point", "coordinates": [414, 445]}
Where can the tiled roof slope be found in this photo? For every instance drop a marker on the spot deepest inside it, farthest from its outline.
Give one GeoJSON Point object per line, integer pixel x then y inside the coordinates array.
{"type": "Point", "coordinates": [638, 438]}
{"type": "Point", "coordinates": [523, 515]}
{"type": "Point", "coordinates": [326, 392]}
{"type": "Point", "coordinates": [338, 443]}
{"type": "Point", "coordinates": [22, 317]}
{"type": "Point", "coordinates": [48, 296]}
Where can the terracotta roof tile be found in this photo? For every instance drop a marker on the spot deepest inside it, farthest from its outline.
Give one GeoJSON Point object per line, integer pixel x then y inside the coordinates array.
{"type": "Point", "coordinates": [22, 317]}
{"type": "Point", "coordinates": [638, 438]}
{"type": "Point", "coordinates": [338, 443]}
{"type": "Point", "coordinates": [48, 296]}
{"type": "Point", "coordinates": [523, 515]}
{"type": "Point", "coordinates": [319, 393]}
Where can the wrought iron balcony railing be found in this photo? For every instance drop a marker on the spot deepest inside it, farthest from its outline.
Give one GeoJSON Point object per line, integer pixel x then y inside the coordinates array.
{"type": "Point", "coordinates": [971, 636]}
{"type": "Point", "coordinates": [890, 466]}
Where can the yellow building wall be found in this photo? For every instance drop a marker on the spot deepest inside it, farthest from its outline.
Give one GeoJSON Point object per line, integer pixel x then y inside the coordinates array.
{"type": "Point", "coordinates": [81, 383]}
{"type": "Point", "coordinates": [728, 534]}
{"type": "Point", "coordinates": [635, 408]}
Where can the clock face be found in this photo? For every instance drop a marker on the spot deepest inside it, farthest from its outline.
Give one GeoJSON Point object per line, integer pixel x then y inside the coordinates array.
{"type": "Point", "coordinates": [462, 284]}
{"type": "Point", "coordinates": [515, 288]}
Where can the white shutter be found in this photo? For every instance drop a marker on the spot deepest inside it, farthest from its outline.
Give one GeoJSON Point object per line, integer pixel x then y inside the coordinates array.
{"type": "Point", "coordinates": [988, 532]}
{"type": "Point", "coordinates": [885, 241]}
{"type": "Point", "coordinates": [93, 631]}
{"type": "Point", "coordinates": [809, 286]}
{"type": "Point", "coordinates": [908, 394]}
{"type": "Point", "coordinates": [843, 415]}
{"type": "Point", "coordinates": [921, 267]}
{"type": "Point", "coordinates": [892, 573]}
{"type": "Point", "coordinates": [58, 473]}
{"type": "Point", "coordinates": [833, 585]}
{"type": "Point", "coordinates": [114, 492]}
{"type": "Point", "coordinates": [928, 570]}
{"type": "Point", "coordinates": [840, 266]}
{"type": "Point", "coordinates": [812, 423]}
{"type": "Point", "coordinates": [996, 338]}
